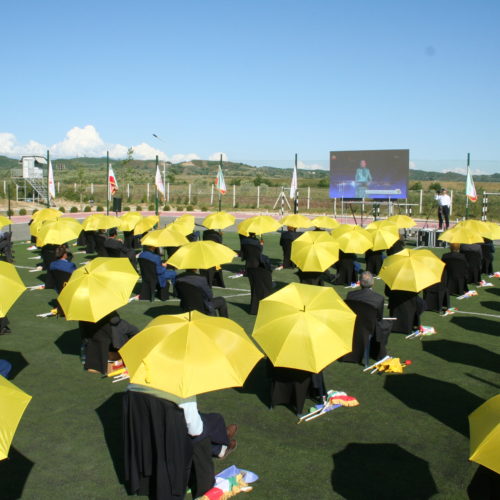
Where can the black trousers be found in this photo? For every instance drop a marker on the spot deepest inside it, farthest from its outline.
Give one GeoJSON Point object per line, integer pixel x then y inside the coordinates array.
{"type": "Point", "coordinates": [220, 306]}
{"type": "Point", "coordinates": [444, 213]}
{"type": "Point", "coordinates": [214, 428]}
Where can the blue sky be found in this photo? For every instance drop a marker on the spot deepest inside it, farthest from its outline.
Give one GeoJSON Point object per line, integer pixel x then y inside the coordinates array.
{"type": "Point", "coordinates": [257, 80]}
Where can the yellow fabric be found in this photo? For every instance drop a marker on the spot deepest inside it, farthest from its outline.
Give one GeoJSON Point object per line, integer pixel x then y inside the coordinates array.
{"type": "Point", "coordinates": [484, 425]}
{"type": "Point", "coordinates": [296, 220]}
{"type": "Point", "coordinates": [46, 214]}
{"type": "Point", "coordinates": [4, 221]}
{"type": "Point", "coordinates": [305, 327]}
{"type": "Point", "coordinates": [402, 221]}
{"type": "Point", "coordinates": [201, 255]}
{"type": "Point", "coordinates": [58, 231]}
{"type": "Point", "coordinates": [392, 365]}
{"type": "Point", "coordinates": [383, 237]}
{"type": "Point", "coordinates": [146, 224]}
{"type": "Point", "coordinates": [218, 220]}
{"type": "Point", "coordinates": [11, 287]}
{"type": "Point", "coordinates": [184, 224]}
{"type": "Point", "coordinates": [190, 353]}
{"type": "Point", "coordinates": [259, 224]}
{"type": "Point", "coordinates": [382, 223]}
{"type": "Point", "coordinates": [412, 270]}
{"type": "Point", "coordinates": [314, 251]}
{"type": "Point", "coordinates": [98, 288]}
{"type": "Point", "coordinates": [325, 222]}
{"type": "Point", "coordinates": [352, 239]}
{"type": "Point", "coordinates": [166, 237]}
{"type": "Point", "coordinates": [100, 221]}
{"type": "Point", "coordinates": [129, 220]}
{"type": "Point", "coordinates": [13, 402]}
{"type": "Point", "coordinates": [461, 234]}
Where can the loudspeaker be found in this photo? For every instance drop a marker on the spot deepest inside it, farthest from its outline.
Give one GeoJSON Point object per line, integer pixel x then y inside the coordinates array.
{"type": "Point", "coordinates": [117, 204]}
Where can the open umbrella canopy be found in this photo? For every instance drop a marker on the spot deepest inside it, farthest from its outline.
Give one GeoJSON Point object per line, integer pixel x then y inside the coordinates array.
{"type": "Point", "coordinates": [36, 225]}
{"type": "Point", "coordinates": [258, 224]}
{"type": "Point", "coordinates": [476, 226]}
{"type": "Point", "coordinates": [166, 237]}
{"type": "Point", "coordinates": [305, 327]}
{"type": "Point", "coordinates": [325, 222]}
{"type": "Point", "coordinates": [4, 221]}
{"type": "Point", "coordinates": [13, 402]}
{"type": "Point", "coordinates": [190, 353]}
{"type": "Point", "coordinates": [201, 255]}
{"type": "Point", "coordinates": [402, 221]}
{"type": "Point", "coordinates": [98, 288]}
{"type": "Point", "coordinates": [461, 234]}
{"type": "Point", "coordinates": [100, 221]}
{"type": "Point", "coordinates": [484, 423]}
{"type": "Point", "coordinates": [492, 232]}
{"type": "Point", "coordinates": [184, 224]}
{"type": "Point", "coordinates": [58, 231]}
{"type": "Point", "coordinates": [296, 220]}
{"type": "Point", "coordinates": [382, 223]}
{"type": "Point", "coordinates": [129, 220]}
{"type": "Point", "coordinates": [46, 214]}
{"type": "Point", "coordinates": [218, 220]}
{"type": "Point", "coordinates": [384, 237]}
{"type": "Point", "coordinates": [412, 270]}
{"type": "Point", "coordinates": [146, 224]}
{"type": "Point", "coordinates": [352, 239]}
{"type": "Point", "coordinates": [314, 251]}
{"type": "Point", "coordinates": [11, 287]}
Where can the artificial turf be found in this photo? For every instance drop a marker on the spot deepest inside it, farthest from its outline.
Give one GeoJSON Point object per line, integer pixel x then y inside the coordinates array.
{"type": "Point", "coordinates": [408, 438]}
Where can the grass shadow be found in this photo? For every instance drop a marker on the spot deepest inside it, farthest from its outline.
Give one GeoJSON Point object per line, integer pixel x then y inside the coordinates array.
{"type": "Point", "coordinates": [70, 342]}
{"type": "Point", "coordinates": [363, 470]}
{"type": "Point", "coordinates": [476, 324]}
{"type": "Point", "coordinates": [16, 359]}
{"type": "Point", "coordinates": [162, 308]}
{"type": "Point", "coordinates": [110, 415]}
{"type": "Point", "coordinates": [485, 484]}
{"type": "Point", "coordinates": [494, 291]}
{"type": "Point", "coordinates": [448, 403]}
{"type": "Point", "coordinates": [461, 352]}
{"type": "Point", "coordinates": [484, 381]}
{"type": "Point", "coordinates": [16, 468]}
{"type": "Point", "coordinates": [491, 304]}
{"type": "Point", "coordinates": [259, 383]}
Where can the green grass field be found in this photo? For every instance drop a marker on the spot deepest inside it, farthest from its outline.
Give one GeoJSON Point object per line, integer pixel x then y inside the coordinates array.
{"type": "Point", "coordinates": [407, 439]}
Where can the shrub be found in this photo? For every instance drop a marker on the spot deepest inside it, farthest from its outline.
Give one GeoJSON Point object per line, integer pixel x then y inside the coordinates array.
{"type": "Point", "coordinates": [62, 209]}
{"type": "Point", "coordinates": [73, 210]}
{"type": "Point", "coordinates": [126, 209]}
{"type": "Point", "coordinates": [416, 186]}
{"type": "Point", "coordinates": [435, 186]}
{"type": "Point", "coordinates": [10, 213]}
{"type": "Point", "coordinates": [190, 208]}
{"type": "Point", "coordinates": [178, 200]}
{"type": "Point", "coordinates": [166, 208]}
{"type": "Point", "coordinates": [151, 207]}
{"type": "Point", "coordinates": [88, 208]}
{"type": "Point", "coordinates": [99, 208]}
{"type": "Point", "coordinates": [34, 211]}
{"type": "Point", "coordinates": [236, 205]}
{"type": "Point", "coordinates": [138, 208]}
{"type": "Point", "coordinates": [179, 208]}
{"type": "Point", "coordinates": [204, 209]}
{"type": "Point", "coordinates": [22, 211]}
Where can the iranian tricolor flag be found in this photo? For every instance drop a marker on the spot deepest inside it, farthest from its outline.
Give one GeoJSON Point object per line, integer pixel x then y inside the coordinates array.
{"type": "Point", "coordinates": [220, 184]}
{"type": "Point", "coordinates": [470, 189]}
{"type": "Point", "coordinates": [113, 185]}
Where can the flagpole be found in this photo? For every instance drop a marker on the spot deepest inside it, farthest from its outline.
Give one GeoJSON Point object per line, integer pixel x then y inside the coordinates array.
{"type": "Point", "coordinates": [156, 190]}
{"type": "Point", "coordinates": [466, 197]}
{"type": "Point", "coordinates": [107, 182]}
{"type": "Point", "coordinates": [48, 187]}
{"type": "Point", "coordinates": [220, 195]}
{"type": "Point", "coordinates": [296, 197]}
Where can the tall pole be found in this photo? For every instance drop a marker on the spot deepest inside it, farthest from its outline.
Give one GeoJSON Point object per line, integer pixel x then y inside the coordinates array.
{"type": "Point", "coordinates": [466, 197]}
{"type": "Point", "coordinates": [107, 182]}
{"type": "Point", "coordinates": [156, 190]}
{"type": "Point", "coordinates": [48, 187]}
{"type": "Point", "coordinates": [296, 197]}
{"type": "Point", "coordinates": [220, 195]}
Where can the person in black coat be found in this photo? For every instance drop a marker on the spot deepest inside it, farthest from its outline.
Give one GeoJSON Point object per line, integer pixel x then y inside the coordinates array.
{"type": "Point", "coordinates": [406, 307]}
{"type": "Point", "coordinates": [456, 267]}
{"type": "Point", "coordinates": [116, 248]}
{"type": "Point", "coordinates": [488, 249]}
{"type": "Point", "coordinates": [286, 239]}
{"type": "Point", "coordinates": [374, 260]}
{"type": "Point", "coordinates": [345, 267]}
{"type": "Point", "coordinates": [214, 277]}
{"type": "Point", "coordinates": [397, 247]}
{"type": "Point", "coordinates": [474, 255]}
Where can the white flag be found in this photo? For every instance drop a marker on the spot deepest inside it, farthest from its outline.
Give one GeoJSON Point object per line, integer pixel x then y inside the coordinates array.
{"type": "Point", "coordinates": [159, 181]}
{"type": "Point", "coordinates": [293, 185]}
{"type": "Point", "coordinates": [52, 186]}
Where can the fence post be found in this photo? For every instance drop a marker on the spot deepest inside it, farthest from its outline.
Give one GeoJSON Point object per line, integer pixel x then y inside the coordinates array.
{"type": "Point", "coordinates": [147, 192]}
{"type": "Point", "coordinates": [168, 192]}
{"type": "Point", "coordinates": [421, 200]}
{"type": "Point", "coordinates": [211, 194]}
{"type": "Point", "coordinates": [451, 204]}
{"type": "Point", "coordinates": [335, 207]}
{"type": "Point", "coordinates": [74, 187]}
{"type": "Point", "coordinates": [189, 194]}
{"type": "Point", "coordinates": [308, 197]}
{"type": "Point", "coordinates": [58, 187]}
{"type": "Point", "coordinates": [92, 188]}
{"type": "Point", "coordinates": [17, 192]}
{"type": "Point", "coordinates": [234, 195]}
{"type": "Point", "coordinates": [484, 215]}
{"type": "Point", "coordinates": [128, 190]}
{"type": "Point", "coordinates": [258, 196]}
{"type": "Point", "coordinates": [5, 187]}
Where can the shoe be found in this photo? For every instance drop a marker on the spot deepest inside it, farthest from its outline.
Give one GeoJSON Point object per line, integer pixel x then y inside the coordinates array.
{"type": "Point", "coordinates": [5, 331]}
{"type": "Point", "coordinates": [231, 431]}
{"type": "Point", "coordinates": [232, 446]}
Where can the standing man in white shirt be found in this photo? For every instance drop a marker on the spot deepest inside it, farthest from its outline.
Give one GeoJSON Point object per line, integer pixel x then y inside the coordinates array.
{"type": "Point", "coordinates": [444, 202]}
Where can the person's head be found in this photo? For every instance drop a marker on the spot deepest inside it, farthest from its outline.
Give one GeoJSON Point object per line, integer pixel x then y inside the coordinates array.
{"type": "Point", "coordinates": [149, 249]}
{"type": "Point", "coordinates": [291, 228]}
{"type": "Point", "coordinates": [363, 164]}
{"type": "Point", "coordinates": [113, 232]}
{"type": "Point", "coordinates": [61, 252]}
{"type": "Point", "coordinates": [444, 191]}
{"type": "Point", "coordinates": [252, 235]}
{"type": "Point", "coordinates": [455, 247]}
{"type": "Point", "coordinates": [366, 279]}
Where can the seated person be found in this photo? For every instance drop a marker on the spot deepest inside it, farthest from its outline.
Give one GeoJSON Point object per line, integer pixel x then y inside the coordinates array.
{"type": "Point", "coordinates": [5, 368]}
{"type": "Point", "coordinates": [63, 262]}
{"type": "Point", "coordinates": [115, 247]}
{"type": "Point", "coordinates": [251, 250]}
{"type": "Point", "coordinates": [212, 235]}
{"type": "Point", "coordinates": [474, 255]}
{"type": "Point", "coordinates": [214, 276]}
{"type": "Point", "coordinates": [437, 297]}
{"type": "Point", "coordinates": [488, 249]}
{"type": "Point", "coordinates": [162, 273]}
{"type": "Point", "coordinates": [212, 304]}
{"type": "Point", "coordinates": [6, 246]}
{"type": "Point", "coordinates": [397, 247]}
{"type": "Point", "coordinates": [406, 307]}
{"type": "Point", "coordinates": [374, 260]}
{"type": "Point", "coordinates": [346, 269]}
{"type": "Point", "coordinates": [286, 239]}
{"type": "Point", "coordinates": [456, 267]}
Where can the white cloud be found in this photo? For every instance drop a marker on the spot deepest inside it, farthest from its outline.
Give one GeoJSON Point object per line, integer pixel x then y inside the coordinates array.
{"type": "Point", "coordinates": [460, 170]}
{"type": "Point", "coordinates": [310, 166]}
{"type": "Point", "coordinates": [10, 147]}
{"type": "Point", "coordinates": [216, 157]}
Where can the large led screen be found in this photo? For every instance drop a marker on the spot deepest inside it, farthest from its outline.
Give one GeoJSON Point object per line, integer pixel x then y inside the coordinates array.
{"type": "Point", "coordinates": [378, 174]}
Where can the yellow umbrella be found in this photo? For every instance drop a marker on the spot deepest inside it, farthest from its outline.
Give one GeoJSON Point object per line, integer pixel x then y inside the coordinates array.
{"type": "Point", "coordinates": [314, 251]}
{"type": "Point", "coordinates": [258, 224]}
{"type": "Point", "coordinates": [384, 237]}
{"type": "Point", "coordinates": [184, 224]}
{"type": "Point", "coordinates": [100, 221]}
{"type": "Point", "coordinates": [493, 231]}
{"type": "Point", "coordinates": [412, 270]}
{"type": "Point", "coordinates": [129, 220]}
{"type": "Point", "coordinates": [382, 223]}
{"type": "Point", "coordinates": [166, 237]}
{"type": "Point", "coordinates": [352, 239]}
{"type": "Point", "coordinates": [484, 425]}
{"type": "Point", "coordinates": [13, 402]}
{"type": "Point", "coordinates": [36, 225]}
{"type": "Point", "coordinates": [325, 222]}
{"type": "Point", "coordinates": [4, 221]}
{"type": "Point", "coordinates": [304, 327]}
{"type": "Point", "coordinates": [146, 224]}
{"type": "Point", "coordinates": [218, 220]}
{"type": "Point", "coordinates": [191, 353]}
{"type": "Point", "coordinates": [460, 234]}
{"type": "Point", "coordinates": [201, 255]}
{"type": "Point", "coordinates": [296, 220]}
{"type": "Point", "coordinates": [58, 231]}
{"type": "Point", "coordinates": [46, 214]}
{"type": "Point", "coordinates": [477, 226]}
{"type": "Point", "coordinates": [98, 288]}
{"type": "Point", "coordinates": [402, 221]}
{"type": "Point", "coordinates": [11, 287]}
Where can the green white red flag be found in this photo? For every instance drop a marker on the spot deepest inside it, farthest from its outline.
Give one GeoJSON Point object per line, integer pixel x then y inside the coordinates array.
{"type": "Point", "coordinates": [220, 184]}
{"type": "Point", "coordinates": [470, 189]}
